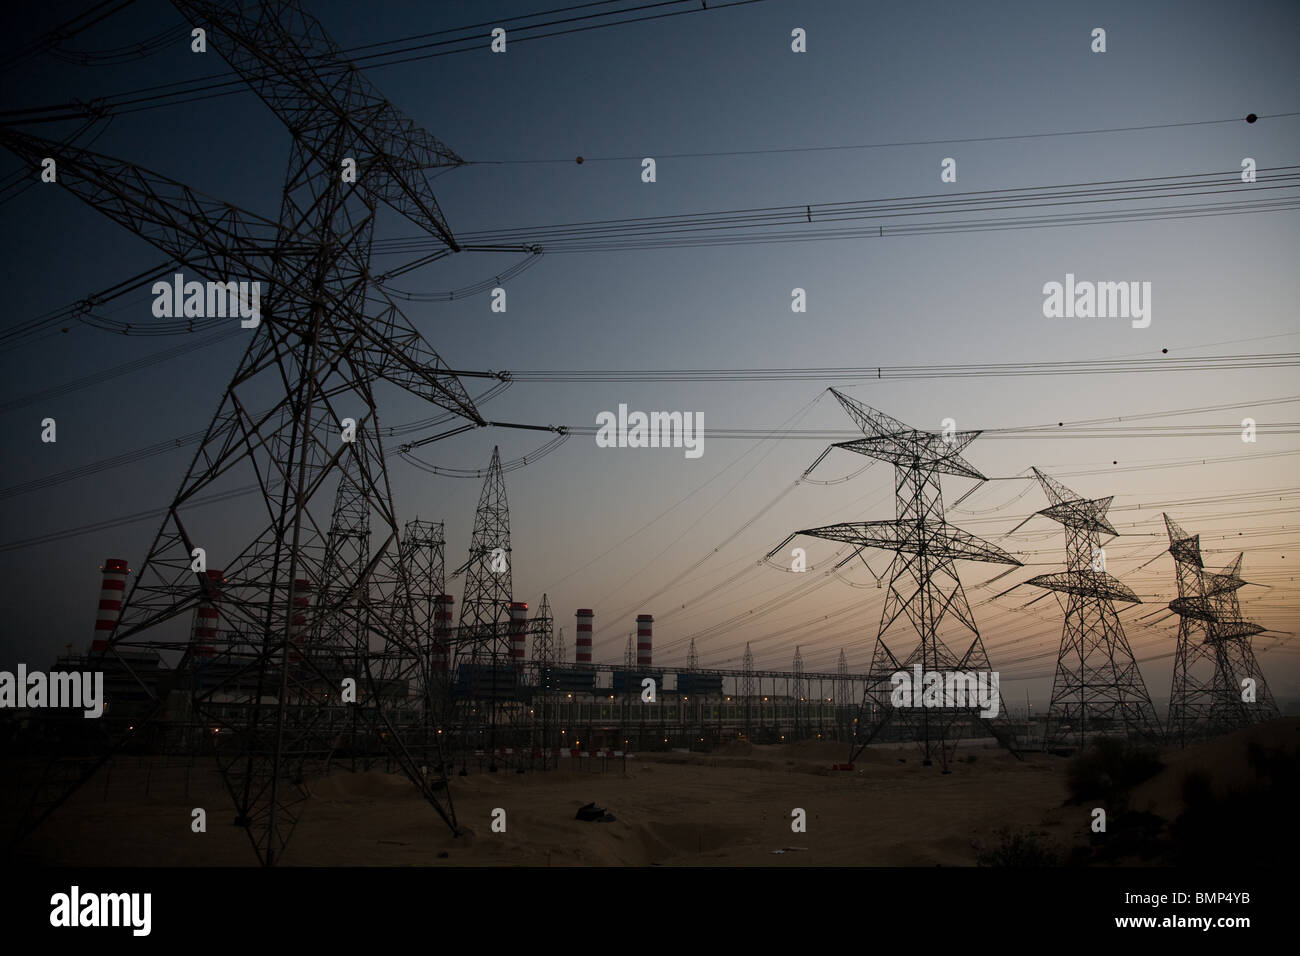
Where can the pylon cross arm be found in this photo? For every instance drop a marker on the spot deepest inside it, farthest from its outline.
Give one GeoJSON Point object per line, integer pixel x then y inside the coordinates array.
{"type": "Point", "coordinates": [1082, 515]}
{"type": "Point", "coordinates": [1087, 583]}
{"type": "Point", "coordinates": [399, 354]}
{"type": "Point", "coordinates": [912, 537]}
{"type": "Point", "coordinates": [1197, 608]}
{"type": "Point", "coordinates": [205, 234]}
{"type": "Point", "coordinates": [924, 450]}
{"type": "Point", "coordinates": [286, 56]}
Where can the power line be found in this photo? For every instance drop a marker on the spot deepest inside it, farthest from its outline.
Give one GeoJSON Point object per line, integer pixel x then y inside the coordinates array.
{"type": "Point", "coordinates": [135, 365]}
{"type": "Point", "coordinates": [805, 221]}
{"type": "Point", "coordinates": [66, 30]}
{"type": "Point", "coordinates": [777, 150]}
{"type": "Point", "coordinates": [191, 438]}
{"type": "Point", "coordinates": [1016, 434]}
{"type": "Point", "coordinates": [608, 235]}
{"type": "Point", "coordinates": [217, 85]}
{"type": "Point", "coordinates": [910, 372]}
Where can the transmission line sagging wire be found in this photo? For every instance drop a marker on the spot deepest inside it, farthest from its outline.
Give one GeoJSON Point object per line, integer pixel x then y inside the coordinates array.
{"type": "Point", "coordinates": [50, 41]}
{"type": "Point", "coordinates": [183, 441]}
{"type": "Point", "coordinates": [798, 415]}
{"type": "Point", "coordinates": [405, 50]}
{"type": "Point", "coordinates": [23, 332]}
{"type": "Point", "coordinates": [85, 312]}
{"type": "Point", "coordinates": [514, 465]}
{"type": "Point", "coordinates": [125, 368]}
{"type": "Point", "coordinates": [501, 278]}
{"type": "Point", "coordinates": [906, 372]}
{"type": "Point", "coordinates": [122, 54]}
{"type": "Point", "coordinates": [763, 432]}
{"type": "Point", "coordinates": [1066, 204]}
{"type": "Point", "coordinates": [777, 150]}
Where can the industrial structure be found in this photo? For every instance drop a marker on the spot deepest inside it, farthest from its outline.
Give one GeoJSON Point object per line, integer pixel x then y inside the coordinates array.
{"type": "Point", "coordinates": [1217, 684]}
{"type": "Point", "coordinates": [1097, 687]}
{"type": "Point", "coordinates": [546, 711]}
{"type": "Point", "coordinates": [321, 632]}
{"type": "Point", "coordinates": [298, 408]}
{"type": "Point", "coordinates": [923, 582]}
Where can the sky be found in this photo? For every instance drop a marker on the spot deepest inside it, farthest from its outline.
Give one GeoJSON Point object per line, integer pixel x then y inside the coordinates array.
{"type": "Point", "coordinates": [628, 531]}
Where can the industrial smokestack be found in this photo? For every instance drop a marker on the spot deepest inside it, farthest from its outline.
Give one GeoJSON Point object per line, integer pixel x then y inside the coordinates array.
{"type": "Point", "coordinates": [440, 659]}
{"type": "Point", "coordinates": [583, 647]}
{"type": "Point", "coordinates": [207, 616]}
{"type": "Point", "coordinates": [111, 593]}
{"type": "Point", "coordinates": [644, 626]}
{"type": "Point", "coordinates": [518, 629]}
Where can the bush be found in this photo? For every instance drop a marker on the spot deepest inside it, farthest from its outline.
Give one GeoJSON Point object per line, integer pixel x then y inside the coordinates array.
{"type": "Point", "coordinates": [1108, 769]}
{"type": "Point", "coordinates": [1255, 820]}
{"type": "Point", "coordinates": [1017, 848]}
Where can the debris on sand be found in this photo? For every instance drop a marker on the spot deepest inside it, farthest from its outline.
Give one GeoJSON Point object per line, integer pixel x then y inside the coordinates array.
{"type": "Point", "coordinates": [591, 813]}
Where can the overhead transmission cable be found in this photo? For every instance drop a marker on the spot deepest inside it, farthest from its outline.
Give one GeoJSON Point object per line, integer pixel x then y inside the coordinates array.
{"type": "Point", "coordinates": [218, 85]}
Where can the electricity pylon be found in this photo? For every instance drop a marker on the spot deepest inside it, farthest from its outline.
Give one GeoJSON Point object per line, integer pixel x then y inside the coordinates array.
{"type": "Point", "coordinates": [1233, 633]}
{"type": "Point", "coordinates": [347, 553]}
{"type": "Point", "coordinates": [418, 589]}
{"type": "Point", "coordinates": [842, 694]}
{"type": "Point", "coordinates": [747, 687]}
{"type": "Point", "coordinates": [1098, 687]}
{"type": "Point", "coordinates": [484, 677]}
{"type": "Point", "coordinates": [797, 694]}
{"type": "Point", "coordinates": [1217, 684]}
{"type": "Point", "coordinates": [545, 658]}
{"type": "Point", "coordinates": [923, 582]}
{"type": "Point", "coordinates": [327, 333]}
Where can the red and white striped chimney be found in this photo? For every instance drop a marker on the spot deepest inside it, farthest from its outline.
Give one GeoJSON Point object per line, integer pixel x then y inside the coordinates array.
{"type": "Point", "coordinates": [583, 647]}
{"type": "Point", "coordinates": [440, 658]}
{"type": "Point", "coordinates": [207, 615]}
{"type": "Point", "coordinates": [518, 626]}
{"type": "Point", "coordinates": [301, 597]}
{"type": "Point", "coordinates": [111, 594]}
{"type": "Point", "coordinates": [644, 626]}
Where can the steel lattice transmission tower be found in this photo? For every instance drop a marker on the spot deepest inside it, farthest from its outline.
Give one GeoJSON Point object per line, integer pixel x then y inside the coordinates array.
{"type": "Point", "coordinates": [423, 563]}
{"type": "Point", "coordinates": [328, 332]}
{"type": "Point", "coordinates": [747, 687]}
{"type": "Point", "coordinates": [339, 620]}
{"type": "Point", "coordinates": [484, 676]}
{"type": "Point", "coordinates": [1233, 633]}
{"type": "Point", "coordinates": [923, 584]}
{"type": "Point", "coordinates": [1214, 657]}
{"type": "Point", "coordinates": [1098, 687]}
{"type": "Point", "coordinates": [797, 692]}
{"type": "Point", "coordinates": [358, 592]}
{"type": "Point", "coordinates": [843, 700]}
{"type": "Point", "coordinates": [692, 657]}
{"type": "Point", "coordinates": [541, 627]}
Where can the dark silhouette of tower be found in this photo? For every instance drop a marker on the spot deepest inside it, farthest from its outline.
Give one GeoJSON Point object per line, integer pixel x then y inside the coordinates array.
{"type": "Point", "coordinates": [923, 584]}
{"type": "Point", "coordinates": [1098, 687]}
{"type": "Point", "coordinates": [1217, 684]}
{"type": "Point", "coordinates": [485, 679]}
{"type": "Point", "coordinates": [327, 332]}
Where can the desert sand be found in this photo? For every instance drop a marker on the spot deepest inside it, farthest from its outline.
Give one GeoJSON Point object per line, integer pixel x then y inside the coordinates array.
{"type": "Point", "coordinates": [730, 808]}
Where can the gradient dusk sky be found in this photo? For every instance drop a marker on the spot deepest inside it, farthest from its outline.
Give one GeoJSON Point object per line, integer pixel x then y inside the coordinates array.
{"type": "Point", "coordinates": [627, 531]}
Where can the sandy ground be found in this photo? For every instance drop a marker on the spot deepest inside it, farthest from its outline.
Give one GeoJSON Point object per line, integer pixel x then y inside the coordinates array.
{"type": "Point", "coordinates": [724, 809]}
